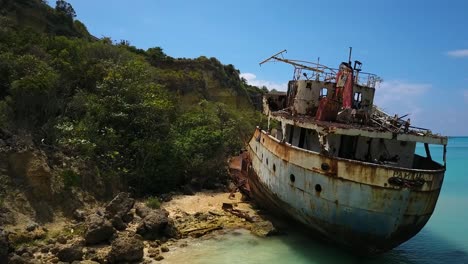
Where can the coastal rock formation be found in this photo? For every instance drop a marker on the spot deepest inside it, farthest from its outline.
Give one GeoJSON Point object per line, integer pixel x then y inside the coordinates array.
{"type": "Point", "coordinates": [126, 248]}
{"type": "Point", "coordinates": [99, 229]}
{"type": "Point", "coordinates": [155, 224]}
{"type": "Point", "coordinates": [120, 205]}
{"type": "Point", "coordinates": [117, 210]}
{"type": "Point", "coordinates": [70, 253]}
{"type": "Point", "coordinates": [142, 210]}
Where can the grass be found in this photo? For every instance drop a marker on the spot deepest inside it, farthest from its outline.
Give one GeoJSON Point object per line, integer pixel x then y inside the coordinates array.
{"type": "Point", "coordinates": [153, 202]}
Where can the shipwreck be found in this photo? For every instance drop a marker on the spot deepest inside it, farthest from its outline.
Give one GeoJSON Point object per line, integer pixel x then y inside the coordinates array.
{"type": "Point", "coordinates": [340, 165]}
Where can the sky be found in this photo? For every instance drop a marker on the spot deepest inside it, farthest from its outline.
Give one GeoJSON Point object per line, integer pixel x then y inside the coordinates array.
{"type": "Point", "coordinates": [419, 48]}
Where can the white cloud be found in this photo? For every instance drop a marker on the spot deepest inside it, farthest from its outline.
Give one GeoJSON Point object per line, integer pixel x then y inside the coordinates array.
{"type": "Point", "coordinates": [252, 80]}
{"type": "Point", "coordinates": [461, 53]}
{"type": "Point", "coordinates": [400, 97]}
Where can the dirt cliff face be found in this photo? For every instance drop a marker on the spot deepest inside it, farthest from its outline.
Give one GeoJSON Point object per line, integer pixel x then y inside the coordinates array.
{"type": "Point", "coordinates": [31, 168]}
{"type": "Point", "coordinates": [33, 182]}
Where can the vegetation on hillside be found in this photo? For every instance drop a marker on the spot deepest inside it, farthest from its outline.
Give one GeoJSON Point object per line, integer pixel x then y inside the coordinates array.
{"type": "Point", "coordinates": [138, 117]}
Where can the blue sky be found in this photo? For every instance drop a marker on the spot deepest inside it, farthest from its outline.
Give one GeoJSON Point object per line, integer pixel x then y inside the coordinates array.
{"type": "Point", "coordinates": [419, 48]}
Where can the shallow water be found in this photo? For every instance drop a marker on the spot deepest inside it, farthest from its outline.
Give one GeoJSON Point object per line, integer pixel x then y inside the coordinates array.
{"type": "Point", "coordinates": [443, 240]}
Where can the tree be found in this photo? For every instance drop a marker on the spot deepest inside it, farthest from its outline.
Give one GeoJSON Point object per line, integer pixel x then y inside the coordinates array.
{"type": "Point", "coordinates": [63, 7]}
{"type": "Point", "coordinates": [155, 55]}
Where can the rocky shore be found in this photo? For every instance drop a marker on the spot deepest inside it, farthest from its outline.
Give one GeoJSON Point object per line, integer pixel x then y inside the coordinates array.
{"type": "Point", "coordinates": [126, 230]}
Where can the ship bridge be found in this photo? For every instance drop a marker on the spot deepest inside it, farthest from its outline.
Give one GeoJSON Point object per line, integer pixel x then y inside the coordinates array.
{"type": "Point", "coordinates": [332, 111]}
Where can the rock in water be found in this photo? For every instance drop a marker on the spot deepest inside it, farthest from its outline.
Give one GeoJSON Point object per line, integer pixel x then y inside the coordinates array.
{"type": "Point", "coordinates": [126, 249]}
{"type": "Point", "coordinates": [120, 205]}
{"type": "Point", "coordinates": [98, 229]}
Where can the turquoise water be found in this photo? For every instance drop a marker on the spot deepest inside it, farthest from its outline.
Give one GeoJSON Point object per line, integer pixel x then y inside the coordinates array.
{"type": "Point", "coordinates": [443, 240]}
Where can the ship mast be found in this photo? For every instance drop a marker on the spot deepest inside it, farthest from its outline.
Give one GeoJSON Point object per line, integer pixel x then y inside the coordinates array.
{"type": "Point", "coordinates": [299, 65]}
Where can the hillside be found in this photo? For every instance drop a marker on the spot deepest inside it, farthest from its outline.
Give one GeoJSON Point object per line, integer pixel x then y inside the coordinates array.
{"type": "Point", "coordinates": [93, 117]}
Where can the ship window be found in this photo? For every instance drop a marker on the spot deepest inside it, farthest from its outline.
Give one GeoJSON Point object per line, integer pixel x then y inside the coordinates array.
{"type": "Point", "coordinates": [267, 161]}
{"type": "Point", "coordinates": [323, 92]}
{"type": "Point", "coordinates": [302, 137]}
{"type": "Point", "coordinates": [292, 178]}
{"type": "Point", "coordinates": [291, 133]}
{"type": "Point", "coordinates": [274, 167]}
{"type": "Point", "coordinates": [318, 188]}
{"type": "Point", "coordinates": [357, 100]}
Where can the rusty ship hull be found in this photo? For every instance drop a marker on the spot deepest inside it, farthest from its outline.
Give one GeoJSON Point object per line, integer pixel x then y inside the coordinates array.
{"type": "Point", "coordinates": [346, 201]}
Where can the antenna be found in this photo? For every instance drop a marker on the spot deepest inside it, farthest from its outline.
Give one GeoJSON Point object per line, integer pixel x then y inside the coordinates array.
{"type": "Point", "coordinates": [350, 51]}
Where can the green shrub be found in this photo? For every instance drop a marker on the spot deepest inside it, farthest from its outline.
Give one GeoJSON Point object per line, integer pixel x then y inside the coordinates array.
{"type": "Point", "coordinates": [153, 202]}
{"type": "Point", "coordinates": [70, 178]}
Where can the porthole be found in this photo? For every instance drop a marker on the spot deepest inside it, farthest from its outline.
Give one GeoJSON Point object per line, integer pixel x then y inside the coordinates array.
{"type": "Point", "coordinates": [274, 167]}
{"type": "Point", "coordinates": [325, 166]}
{"type": "Point", "coordinates": [267, 161]}
{"type": "Point", "coordinates": [292, 178]}
{"type": "Point", "coordinates": [263, 140]}
{"type": "Point", "coordinates": [318, 188]}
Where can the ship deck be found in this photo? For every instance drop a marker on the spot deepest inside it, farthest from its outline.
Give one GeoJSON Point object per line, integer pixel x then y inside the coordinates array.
{"type": "Point", "coordinates": [357, 129]}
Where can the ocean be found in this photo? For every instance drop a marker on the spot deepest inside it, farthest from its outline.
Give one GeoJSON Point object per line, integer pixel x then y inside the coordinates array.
{"type": "Point", "coordinates": [444, 239]}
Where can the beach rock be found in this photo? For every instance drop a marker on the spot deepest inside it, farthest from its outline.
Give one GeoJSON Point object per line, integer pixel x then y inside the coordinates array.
{"type": "Point", "coordinates": [70, 253]}
{"type": "Point", "coordinates": [15, 259]}
{"type": "Point", "coordinates": [128, 217]}
{"type": "Point", "coordinates": [21, 250]}
{"type": "Point", "coordinates": [120, 205]}
{"type": "Point", "coordinates": [153, 252]}
{"type": "Point", "coordinates": [155, 224]}
{"type": "Point", "coordinates": [126, 249]}
{"type": "Point", "coordinates": [263, 229]}
{"type": "Point", "coordinates": [171, 230]}
{"type": "Point", "coordinates": [31, 227]}
{"type": "Point", "coordinates": [118, 223]}
{"type": "Point", "coordinates": [142, 210]}
{"type": "Point", "coordinates": [79, 215]}
{"type": "Point", "coordinates": [98, 229]}
{"type": "Point", "coordinates": [4, 247]}
{"type": "Point", "coordinates": [164, 249]}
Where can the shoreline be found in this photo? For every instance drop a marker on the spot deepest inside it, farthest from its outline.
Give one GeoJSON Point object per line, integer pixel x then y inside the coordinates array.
{"type": "Point", "coordinates": [128, 230]}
